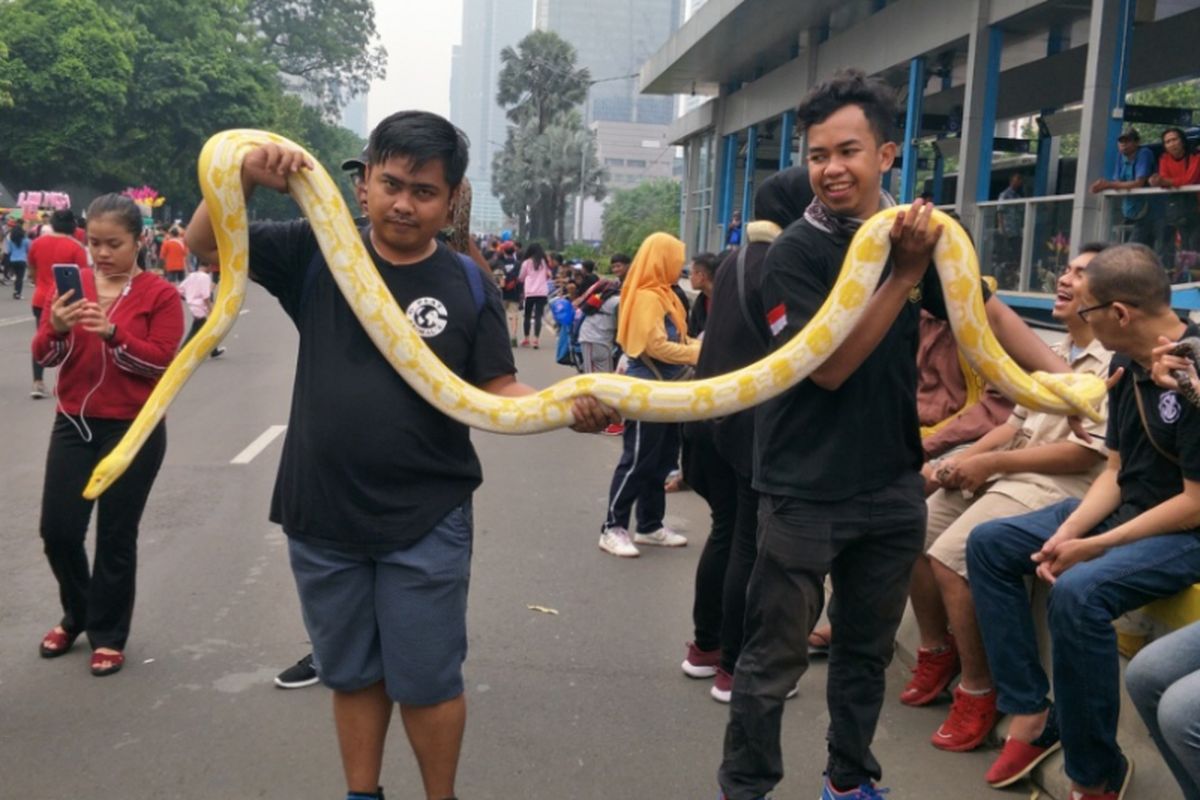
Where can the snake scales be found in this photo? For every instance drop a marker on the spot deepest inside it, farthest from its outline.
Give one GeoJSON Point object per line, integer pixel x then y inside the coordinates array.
{"type": "Point", "coordinates": [389, 328]}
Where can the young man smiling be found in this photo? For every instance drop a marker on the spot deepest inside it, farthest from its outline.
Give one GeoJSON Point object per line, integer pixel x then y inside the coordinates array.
{"type": "Point", "coordinates": [838, 457]}
{"type": "Point", "coordinates": [374, 487]}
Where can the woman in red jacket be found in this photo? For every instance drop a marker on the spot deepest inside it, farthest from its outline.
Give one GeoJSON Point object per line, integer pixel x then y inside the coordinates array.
{"type": "Point", "coordinates": [111, 347]}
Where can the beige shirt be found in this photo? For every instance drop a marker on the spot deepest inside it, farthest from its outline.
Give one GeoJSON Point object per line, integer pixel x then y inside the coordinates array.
{"type": "Point", "coordinates": [1035, 428]}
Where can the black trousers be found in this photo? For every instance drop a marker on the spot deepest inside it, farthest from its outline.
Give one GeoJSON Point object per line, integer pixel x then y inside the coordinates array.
{"type": "Point", "coordinates": [97, 601]}
{"type": "Point", "coordinates": [650, 453]}
{"type": "Point", "coordinates": [38, 370]}
{"type": "Point", "coordinates": [535, 309]}
{"type": "Point", "coordinates": [18, 273]}
{"type": "Point", "coordinates": [197, 324]}
{"type": "Point", "coordinates": [867, 545]}
{"type": "Point", "coordinates": [728, 556]}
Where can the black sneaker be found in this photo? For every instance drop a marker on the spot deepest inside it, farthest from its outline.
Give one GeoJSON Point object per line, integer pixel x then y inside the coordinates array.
{"type": "Point", "coordinates": [217, 353]}
{"type": "Point", "coordinates": [299, 675]}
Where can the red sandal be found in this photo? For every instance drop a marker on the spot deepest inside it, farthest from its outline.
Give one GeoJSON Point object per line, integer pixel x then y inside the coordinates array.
{"type": "Point", "coordinates": [57, 642]}
{"type": "Point", "coordinates": [114, 661]}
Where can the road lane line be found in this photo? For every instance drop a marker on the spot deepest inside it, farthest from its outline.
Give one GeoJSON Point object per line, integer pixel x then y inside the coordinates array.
{"type": "Point", "coordinates": [4, 323]}
{"type": "Point", "coordinates": [259, 444]}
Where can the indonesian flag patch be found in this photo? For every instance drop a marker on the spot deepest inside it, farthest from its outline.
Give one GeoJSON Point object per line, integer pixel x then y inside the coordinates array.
{"type": "Point", "coordinates": [777, 319]}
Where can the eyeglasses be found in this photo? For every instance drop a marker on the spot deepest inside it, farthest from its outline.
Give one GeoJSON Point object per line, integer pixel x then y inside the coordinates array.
{"type": "Point", "coordinates": [1083, 312]}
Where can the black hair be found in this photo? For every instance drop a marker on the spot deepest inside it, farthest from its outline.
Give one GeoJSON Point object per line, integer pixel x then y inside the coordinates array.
{"type": "Point", "coordinates": [1094, 247]}
{"type": "Point", "coordinates": [588, 265]}
{"type": "Point", "coordinates": [17, 234]}
{"type": "Point", "coordinates": [62, 221]}
{"type": "Point", "coordinates": [706, 263]}
{"type": "Point", "coordinates": [537, 254]}
{"type": "Point", "coordinates": [1129, 273]}
{"type": "Point", "coordinates": [119, 206]}
{"type": "Point", "coordinates": [620, 258]}
{"type": "Point", "coordinates": [1187, 146]}
{"type": "Point", "coordinates": [852, 87]}
{"type": "Point", "coordinates": [421, 137]}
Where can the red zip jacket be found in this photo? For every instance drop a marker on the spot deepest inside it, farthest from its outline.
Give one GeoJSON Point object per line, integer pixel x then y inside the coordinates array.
{"type": "Point", "coordinates": [124, 370]}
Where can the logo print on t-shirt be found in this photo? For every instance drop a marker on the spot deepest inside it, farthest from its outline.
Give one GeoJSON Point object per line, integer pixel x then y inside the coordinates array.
{"type": "Point", "coordinates": [428, 316]}
{"type": "Point", "coordinates": [1168, 407]}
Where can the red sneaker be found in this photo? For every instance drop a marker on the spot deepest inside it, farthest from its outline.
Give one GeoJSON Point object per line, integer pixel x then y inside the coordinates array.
{"type": "Point", "coordinates": [722, 688]}
{"type": "Point", "coordinates": [616, 429]}
{"type": "Point", "coordinates": [1017, 760]}
{"type": "Point", "coordinates": [701, 663]}
{"type": "Point", "coordinates": [1119, 794]}
{"type": "Point", "coordinates": [970, 720]}
{"type": "Point", "coordinates": [931, 675]}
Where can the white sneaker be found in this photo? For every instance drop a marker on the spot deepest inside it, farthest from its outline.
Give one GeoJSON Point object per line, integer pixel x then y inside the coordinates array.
{"type": "Point", "coordinates": [663, 537]}
{"type": "Point", "coordinates": [616, 541]}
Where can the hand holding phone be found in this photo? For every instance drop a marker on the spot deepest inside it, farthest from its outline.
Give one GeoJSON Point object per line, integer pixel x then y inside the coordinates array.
{"type": "Point", "coordinates": [67, 278]}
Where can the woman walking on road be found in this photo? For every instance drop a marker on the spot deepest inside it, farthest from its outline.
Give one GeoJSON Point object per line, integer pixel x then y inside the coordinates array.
{"type": "Point", "coordinates": [652, 330]}
{"type": "Point", "coordinates": [111, 347]}
{"type": "Point", "coordinates": [535, 277]}
{"type": "Point", "coordinates": [16, 247]}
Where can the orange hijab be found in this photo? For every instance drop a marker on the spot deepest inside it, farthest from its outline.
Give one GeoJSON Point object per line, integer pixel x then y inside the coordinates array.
{"type": "Point", "coordinates": [646, 295]}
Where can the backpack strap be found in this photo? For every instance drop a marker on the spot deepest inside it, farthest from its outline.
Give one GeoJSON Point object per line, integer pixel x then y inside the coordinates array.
{"type": "Point", "coordinates": [1146, 426]}
{"type": "Point", "coordinates": [741, 288]}
{"type": "Point", "coordinates": [474, 280]}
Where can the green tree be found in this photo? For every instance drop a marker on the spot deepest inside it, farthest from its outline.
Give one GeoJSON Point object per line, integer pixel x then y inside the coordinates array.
{"type": "Point", "coordinates": [549, 156]}
{"type": "Point", "coordinates": [330, 46]}
{"type": "Point", "coordinates": [6, 100]}
{"type": "Point", "coordinates": [69, 70]}
{"type": "Point", "coordinates": [538, 80]}
{"type": "Point", "coordinates": [636, 213]}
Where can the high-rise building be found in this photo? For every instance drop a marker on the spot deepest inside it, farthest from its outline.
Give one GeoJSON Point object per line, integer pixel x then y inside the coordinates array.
{"type": "Point", "coordinates": [488, 27]}
{"type": "Point", "coordinates": [614, 39]}
{"type": "Point", "coordinates": [354, 115]}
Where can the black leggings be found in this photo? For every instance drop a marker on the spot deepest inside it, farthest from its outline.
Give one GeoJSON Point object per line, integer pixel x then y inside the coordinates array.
{"type": "Point", "coordinates": [18, 273]}
{"type": "Point", "coordinates": [38, 370]}
{"type": "Point", "coordinates": [99, 601]}
{"type": "Point", "coordinates": [535, 309]}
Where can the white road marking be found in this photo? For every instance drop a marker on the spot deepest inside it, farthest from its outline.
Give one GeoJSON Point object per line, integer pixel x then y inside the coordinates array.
{"type": "Point", "coordinates": [259, 444]}
{"type": "Point", "coordinates": [243, 312]}
{"type": "Point", "coordinates": [4, 323]}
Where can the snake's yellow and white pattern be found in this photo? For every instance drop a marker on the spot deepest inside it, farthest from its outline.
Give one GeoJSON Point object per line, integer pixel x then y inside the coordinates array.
{"type": "Point", "coordinates": [390, 330]}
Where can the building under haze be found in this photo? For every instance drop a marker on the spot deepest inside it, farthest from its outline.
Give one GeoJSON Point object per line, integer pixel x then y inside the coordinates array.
{"type": "Point", "coordinates": [488, 27]}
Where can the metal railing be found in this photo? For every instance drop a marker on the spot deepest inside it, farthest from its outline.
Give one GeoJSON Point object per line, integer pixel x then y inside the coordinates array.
{"type": "Point", "coordinates": [1166, 220]}
{"type": "Point", "coordinates": [1024, 243]}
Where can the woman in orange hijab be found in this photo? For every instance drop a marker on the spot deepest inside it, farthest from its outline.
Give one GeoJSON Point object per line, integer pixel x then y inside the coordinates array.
{"type": "Point", "coordinates": [652, 330]}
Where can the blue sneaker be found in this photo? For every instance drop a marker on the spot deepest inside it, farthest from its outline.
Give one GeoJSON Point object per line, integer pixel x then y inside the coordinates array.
{"type": "Point", "coordinates": [865, 792]}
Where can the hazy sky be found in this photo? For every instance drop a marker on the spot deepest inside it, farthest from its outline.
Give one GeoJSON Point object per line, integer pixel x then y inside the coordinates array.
{"type": "Point", "coordinates": [418, 35]}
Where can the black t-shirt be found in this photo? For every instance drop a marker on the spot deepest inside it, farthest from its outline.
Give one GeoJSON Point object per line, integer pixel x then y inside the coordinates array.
{"type": "Point", "coordinates": [367, 464]}
{"type": "Point", "coordinates": [1147, 477]}
{"type": "Point", "coordinates": [732, 342]}
{"type": "Point", "coordinates": [823, 445]}
{"type": "Point", "coordinates": [698, 316]}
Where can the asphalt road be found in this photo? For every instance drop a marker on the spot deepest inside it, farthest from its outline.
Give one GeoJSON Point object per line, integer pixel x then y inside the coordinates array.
{"type": "Point", "coordinates": [589, 703]}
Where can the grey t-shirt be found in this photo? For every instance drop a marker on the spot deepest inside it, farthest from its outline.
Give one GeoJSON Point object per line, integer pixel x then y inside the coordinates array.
{"type": "Point", "coordinates": [601, 327]}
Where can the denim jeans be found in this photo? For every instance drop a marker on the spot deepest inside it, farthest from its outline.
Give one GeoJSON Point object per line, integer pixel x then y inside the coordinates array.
{"type": "Point", "coordinates": [1164, 682]}
{"type": "Point", "coordinates": [1083, 603]}
{"type": "Point", "coordinates": [867, 545]}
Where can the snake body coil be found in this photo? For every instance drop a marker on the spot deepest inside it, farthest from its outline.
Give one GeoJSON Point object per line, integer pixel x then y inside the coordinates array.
{"type": "Point", "coordinates": [389, 328]}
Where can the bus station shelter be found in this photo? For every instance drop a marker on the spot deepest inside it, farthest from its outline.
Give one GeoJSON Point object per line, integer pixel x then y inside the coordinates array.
{"type": "Point", "coordinates": [988, 88]}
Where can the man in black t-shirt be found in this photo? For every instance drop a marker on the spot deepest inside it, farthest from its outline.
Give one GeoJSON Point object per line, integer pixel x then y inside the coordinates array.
{"type": "Point", "coordinates": [838, 457]}
{"type": "Point", "coordinates": [374, 487]}
{"type": "Point", "coordinates": [1131, 539]}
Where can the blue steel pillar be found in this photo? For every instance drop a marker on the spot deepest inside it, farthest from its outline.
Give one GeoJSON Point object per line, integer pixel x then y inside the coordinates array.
{"type": "Point", "coordinates": [728, 171]}
{"type": "Point", "coordinates": [939, 163]}
{"type": "Point", "coordinates": [748, 176]}
{"type": "Point", "coordinates": [787, 125]}
{"type": "Point", "coordinates": [987, 129]}
{"type": "Point", "coordinates": [912, 128]}
{"type": "Point", "coordinates": [1041, 172]}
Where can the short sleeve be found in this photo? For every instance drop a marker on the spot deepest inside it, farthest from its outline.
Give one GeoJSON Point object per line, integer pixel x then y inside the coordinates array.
{"type": "Point", "coordinates": [794, 286]}
{"type": "Point", "coordinates": [1112, 439]}
{"type": "Point", "coordinates": [1144, 166]}
{"type": "Point", "coordinates": [280, 253]}
{"type": "Point", "coordinates": [491, 353]}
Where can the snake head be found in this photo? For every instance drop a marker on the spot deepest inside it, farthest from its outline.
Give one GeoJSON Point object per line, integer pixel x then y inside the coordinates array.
{"type": "Point", "coordinates": [105, 475]}
{"type": "Point", "coordinates": [1189, 348]}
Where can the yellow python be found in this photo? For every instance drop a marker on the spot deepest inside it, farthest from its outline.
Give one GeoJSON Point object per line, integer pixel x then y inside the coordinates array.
{"type": "Point", "coordinates": [390, 330]}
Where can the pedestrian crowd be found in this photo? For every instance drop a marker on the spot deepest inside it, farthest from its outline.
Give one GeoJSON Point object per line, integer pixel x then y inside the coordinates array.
{"type": "Point", "coordinates": [890, 475]}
